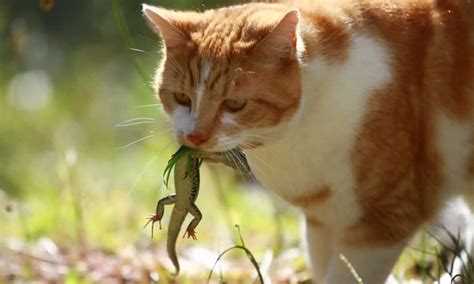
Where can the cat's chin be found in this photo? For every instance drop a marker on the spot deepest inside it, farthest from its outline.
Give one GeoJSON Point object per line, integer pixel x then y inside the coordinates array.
{"type": "Point", "coordinates": [212, 146]}
{"type": "Point", "coordinates": [218, 148]}
{"type": "Point", "coordinates": [209, 148]}
{"type": "Point", "coordinates": [241, 147]}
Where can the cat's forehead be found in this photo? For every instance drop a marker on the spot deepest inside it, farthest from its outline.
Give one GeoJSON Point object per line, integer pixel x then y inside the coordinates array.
{"type": "Point", "coordinates": [215, 72]}
{"type": "Point", "coordinates": [220, 50]}
{"type": "Point", "coordinates": [233, 31]}
{"type": "Point", "coordinates": [213, 75]}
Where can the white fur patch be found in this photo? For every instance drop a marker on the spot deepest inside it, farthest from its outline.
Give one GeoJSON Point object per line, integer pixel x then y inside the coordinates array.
{"type": "Point", "coordinates": [206, 69]}
{"type": "Point", "coordinates": [300, 46]}
{"type": "Point", "coordinates": [316, 150]}
{"type": "Point", "coordinates": [201, 87]}
{"type": "Point", "coordinates": [183, 120]}
{"type": "Point", "coordinates": [455, 148]}
{"type": "Point", "coordinates": [200, 90]}
{"type": "Point", "coordinates": [225, 143]}
{"type": "Point", "coordinates": [146, 7]}
{"type": "Point", "coordinates": [228, 119]}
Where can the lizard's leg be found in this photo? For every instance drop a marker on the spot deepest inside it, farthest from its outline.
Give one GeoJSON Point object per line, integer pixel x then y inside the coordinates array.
{"type": "Point", "coordinates": [194, 210]}
{"type": "Point", "coordinates": [160, 210]}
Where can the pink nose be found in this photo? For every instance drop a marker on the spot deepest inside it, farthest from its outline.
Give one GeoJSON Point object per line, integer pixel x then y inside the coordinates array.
{"type": "Point", "coordinates": [198, 139]}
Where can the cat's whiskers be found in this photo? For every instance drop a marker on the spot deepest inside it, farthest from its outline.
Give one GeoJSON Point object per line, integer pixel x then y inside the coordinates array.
{"type": "Point", "coordinates": [143, 52]}
{"type": "Point", "coordinates": [150, 105]}
{"type": "Point", "coordinates": [134, 123]}
{"type": "Point", "coordinates": [243, 163]}
{"type": "Point", "coordinates": [137, 119]}
{"type": "Point", "coordinates": [262, 161]}
{"type": "Point", "coordinates": [236, 161]}
{"type": "Point", "coordinates": [226, 143]}
{"type": "Point", "coordinates": [259, 137]}
{"type": "Point", "coordinates": [238, 158]}
{"type": "Point", "coordinates": [146, 120]}
{"type": "Point", "coordinates": [258, 171]}
{"type": "Point", "coordinates": [145, 168]}
{"type": "Point", "coordinates": [135, 142]}
{"type": "Point", "coordinates": [288, 181]}
{"type": "Point", "coordinates": [169, 129]}
{"type": "Point", "coordinates": [240, 140]}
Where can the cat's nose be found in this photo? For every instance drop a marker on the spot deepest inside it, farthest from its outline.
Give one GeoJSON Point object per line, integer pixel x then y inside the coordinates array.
{"type": "Point", "coordinates": [198, 139]}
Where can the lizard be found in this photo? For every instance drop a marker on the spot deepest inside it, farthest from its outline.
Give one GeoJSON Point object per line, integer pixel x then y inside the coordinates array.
{"type": "Point", "coordinates": [186, 179]}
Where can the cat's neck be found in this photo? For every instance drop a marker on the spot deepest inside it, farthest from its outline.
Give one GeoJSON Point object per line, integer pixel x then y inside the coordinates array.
{"type": "Point", "coordinates": [335, 83]}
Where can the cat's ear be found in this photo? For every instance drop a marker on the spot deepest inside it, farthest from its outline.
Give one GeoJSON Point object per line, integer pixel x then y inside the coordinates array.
{"type": "Point", "coordinates": [160, 21]}
{"type": "Point", "coordinates": [281, 41]}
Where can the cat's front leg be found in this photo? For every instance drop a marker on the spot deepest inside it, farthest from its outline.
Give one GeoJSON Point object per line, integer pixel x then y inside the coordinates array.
{"type": "Point", "coordinates": [371, 264]}
{"type": "Point", "coordinates": [318, 237]}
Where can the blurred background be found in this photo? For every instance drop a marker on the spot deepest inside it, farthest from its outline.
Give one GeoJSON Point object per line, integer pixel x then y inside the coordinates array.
{"type": "Point", "coordinates": [83, 146]}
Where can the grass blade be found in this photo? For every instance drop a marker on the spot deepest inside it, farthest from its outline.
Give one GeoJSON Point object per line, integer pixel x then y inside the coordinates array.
{"type": "Point", "coordinates": [238, 247]}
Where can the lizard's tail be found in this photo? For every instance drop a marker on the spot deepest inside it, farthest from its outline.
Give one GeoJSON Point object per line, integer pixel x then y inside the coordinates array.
{"type": "Point", "coordinates": [176, 220]}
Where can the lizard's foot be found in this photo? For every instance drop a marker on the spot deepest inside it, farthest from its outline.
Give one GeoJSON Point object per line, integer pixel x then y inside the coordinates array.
{"type": "Point", "coordinates": [191, 234]}
{"type": "Point", "coordinates": [153, 219]}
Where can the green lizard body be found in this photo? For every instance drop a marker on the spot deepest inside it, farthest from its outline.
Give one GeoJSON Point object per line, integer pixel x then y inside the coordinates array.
{"type": "Point", "coordinates": [186, 179]}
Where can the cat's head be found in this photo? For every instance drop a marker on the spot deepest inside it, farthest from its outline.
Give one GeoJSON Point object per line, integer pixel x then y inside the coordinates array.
{"type": "Point", "coordinates": [229, 77]}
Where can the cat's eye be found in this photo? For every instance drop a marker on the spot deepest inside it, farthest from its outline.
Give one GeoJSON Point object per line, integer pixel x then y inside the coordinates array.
{"type": "Point", "coordinates": [234, 105]}
{"type": "Point", "coordinates": [182, 99]}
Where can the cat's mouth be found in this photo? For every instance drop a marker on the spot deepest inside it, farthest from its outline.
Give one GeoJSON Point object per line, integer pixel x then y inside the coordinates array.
{"type": "Point", "coordinates": [228, 147]}
{"type": "Point", "coordinates": [213, 147]}
{"type": "Point", "coordinates": [210, 145]}
{"type": "Point", "coordinates": [218, 143]}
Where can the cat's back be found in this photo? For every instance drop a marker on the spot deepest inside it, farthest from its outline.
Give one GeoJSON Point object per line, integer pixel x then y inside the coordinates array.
{"type": "Point", "coordinates": [429, 44]}
{"type": "Point", "coordinates": [432, 46]}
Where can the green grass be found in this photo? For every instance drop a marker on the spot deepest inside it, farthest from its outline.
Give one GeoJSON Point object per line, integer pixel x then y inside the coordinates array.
{"type": "Point", "coordinates": [238, 247]}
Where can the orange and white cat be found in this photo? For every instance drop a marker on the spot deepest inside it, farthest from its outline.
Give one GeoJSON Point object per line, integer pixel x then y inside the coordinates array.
{"type": "Point", "coordinates": [360, 113]}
